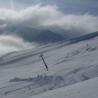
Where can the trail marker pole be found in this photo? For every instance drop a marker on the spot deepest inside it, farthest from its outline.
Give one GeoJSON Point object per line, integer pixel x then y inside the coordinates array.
{"type": "Point", "coordinates": [41, 55]}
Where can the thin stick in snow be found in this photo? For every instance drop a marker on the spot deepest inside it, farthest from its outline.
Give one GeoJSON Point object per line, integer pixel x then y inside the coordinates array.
{"type": "Point", "coordinates": [46, 66]}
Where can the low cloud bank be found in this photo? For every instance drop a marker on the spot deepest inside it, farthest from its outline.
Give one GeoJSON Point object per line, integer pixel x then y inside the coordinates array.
{"type": "Point", "coordinates": [9, 43]}
{"type": "Point", "coordinates": [43, 18]}
{"type": "Point", "coordinates": [48, 17]}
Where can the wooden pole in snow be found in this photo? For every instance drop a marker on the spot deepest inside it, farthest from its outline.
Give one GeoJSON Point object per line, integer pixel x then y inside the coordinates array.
{"type": "Point", "coordinates": [44, 62]}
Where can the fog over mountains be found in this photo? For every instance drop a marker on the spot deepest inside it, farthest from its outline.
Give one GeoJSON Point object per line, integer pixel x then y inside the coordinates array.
{"type": "Point", "coordinates": [43, 22]}
{"type": "Point", "coordinates": [38, 19]}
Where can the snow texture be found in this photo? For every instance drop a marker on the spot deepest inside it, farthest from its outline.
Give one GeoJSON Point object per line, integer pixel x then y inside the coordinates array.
{"type": "Point", "coordinates": [73, 71]}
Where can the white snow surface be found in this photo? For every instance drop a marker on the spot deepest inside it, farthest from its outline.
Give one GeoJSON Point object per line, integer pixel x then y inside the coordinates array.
{"type": "Point", "coordinates": [73, 71]}
{"type": "Point", "coordinates": [88, 89]}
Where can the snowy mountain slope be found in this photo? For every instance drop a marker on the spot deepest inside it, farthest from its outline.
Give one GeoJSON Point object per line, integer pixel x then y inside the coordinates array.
{"type": "Point", "coordinates": [85, 37]}
{"type": "Point", "coordinates": [23, 73]}
{"type": "Point", "coordinates": [88, 89]}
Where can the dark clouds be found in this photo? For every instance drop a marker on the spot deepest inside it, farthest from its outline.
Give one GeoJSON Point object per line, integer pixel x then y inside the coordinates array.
{"type": "Point", "coordinates": [48, 17]}
{"type": "Point", "coordinates": [31, 20]}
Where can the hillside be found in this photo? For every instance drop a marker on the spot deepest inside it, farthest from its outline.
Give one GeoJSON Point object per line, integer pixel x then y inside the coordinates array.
{"type": "Point", "coordinates": [86, 89]}
{"type": "Point", "coordinates": [23, 74]}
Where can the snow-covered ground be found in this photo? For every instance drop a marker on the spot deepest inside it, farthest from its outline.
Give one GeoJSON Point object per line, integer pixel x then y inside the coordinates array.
{"type": "Point", "coordinates": [88, 89]}
{"type": "Point", "coordinates": [73, 71]}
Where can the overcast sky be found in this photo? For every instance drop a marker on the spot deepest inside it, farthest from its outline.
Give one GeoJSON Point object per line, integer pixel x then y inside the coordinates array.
{"type": "Point", "coordinates": [73, 17]}
{"type": "Point", "coordinates": [67, 6]}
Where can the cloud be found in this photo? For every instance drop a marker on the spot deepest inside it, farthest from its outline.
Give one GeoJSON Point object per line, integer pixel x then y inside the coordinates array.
{"type": "Point", "coordinates": [9, 43]}
{"type": "Point", "coordinates": [43, 18]}
{"type": "Point", "coordinates": [49, 17]}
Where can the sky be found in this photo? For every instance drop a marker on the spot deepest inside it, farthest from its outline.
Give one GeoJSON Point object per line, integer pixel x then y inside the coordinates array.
{"type": "Point", "coordinates": [65, 17]}
{"type": "Point", "coordinates": [67, 6]}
